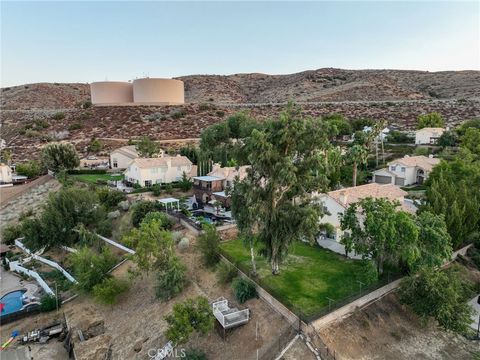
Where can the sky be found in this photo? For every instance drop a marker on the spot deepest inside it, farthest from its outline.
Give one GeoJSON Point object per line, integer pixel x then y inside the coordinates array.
{"type": "Point", "coordinates": [95, 41]}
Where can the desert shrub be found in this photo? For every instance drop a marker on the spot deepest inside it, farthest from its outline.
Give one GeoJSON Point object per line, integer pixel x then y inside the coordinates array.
{"type": "Point", "coordinates": [30, 133]}
{"type": "Point", "coordinates": [58, 116]}
{"type": "Point", "coordinates": [104, 227]}
{"type": "Point", "coordinates": [48, 303]}
{"type": "Point", "coordinates": [194, 354]}
{"type": "Point", "coordinates": [41, 124]}
{"type": "Point", "coordinates": [170, 280]}
{"type": "Point", "coordinates": [95, 146]}
{"type": "Point", "coordinates": [75, 126]}
{"type": "Point", "coordinates": [183, 244]}
{"type": "Point", "coordinates": [155, 117]}
{"type": "Point", "coordinates": [87, 104]}
{"type": "Point", "coordinates": [156, 190]}
{"type": "Point", "coordinates": [226, 272]}
{"type": "Point", "coordinates": [10, 233]}
{"type": "Point", "coordinates": [30, 168]}
{"type": "Point", "coordinates": [165, 222]}
{"type": "Point", "coordinates": [208, 243]}
{"type": "Point", "coordinates": [108, 291]}
{"type": "Point", "coordinates": [220, 113]}
{"type": "Point", "coordinates": [110, 198]}
{"type": "Point", "coordinates": [178, 114]}
{"type": "Point", "coordinates": [243, 289]}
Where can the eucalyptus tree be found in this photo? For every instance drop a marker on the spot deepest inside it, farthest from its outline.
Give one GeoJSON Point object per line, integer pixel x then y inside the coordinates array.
{"type": "Point", "coordinates": [288, 159]}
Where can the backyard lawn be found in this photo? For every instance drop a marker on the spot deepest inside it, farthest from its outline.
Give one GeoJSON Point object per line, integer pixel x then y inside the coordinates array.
{"type": "Point", "coordinates": [308, 277]}
{"type": "Point", "coordinates": [92, 178]}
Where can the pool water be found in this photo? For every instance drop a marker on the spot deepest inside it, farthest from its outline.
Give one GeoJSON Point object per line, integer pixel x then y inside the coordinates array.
{"type": "Point", "coordinates": [13, 302]}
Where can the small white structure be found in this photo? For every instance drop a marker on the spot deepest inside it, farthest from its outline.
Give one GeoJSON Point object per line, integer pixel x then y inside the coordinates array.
{"type": "Point", "coordinates": [5, 174]}
{"type": "Point", "coordinates": [149, 171]}
{"type": "Point", "coordinates": [336, 202]}
{"type": "Point", "coordinates": [169, 203]}
{"type": "Point", "coordinates": [428, 136]}
{"type": "Point", "coordinates": [229, 317]}
{"type": "Point", "coordinates": [406, 171]}
{"type": "Point", "coordinates": [382, 136]}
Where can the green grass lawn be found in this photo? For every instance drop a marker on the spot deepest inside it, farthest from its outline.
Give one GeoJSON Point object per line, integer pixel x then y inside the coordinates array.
{"type": "Point", "coordinates": [92, 178]}
{"type": "Point", "coordinates": [308, 277]}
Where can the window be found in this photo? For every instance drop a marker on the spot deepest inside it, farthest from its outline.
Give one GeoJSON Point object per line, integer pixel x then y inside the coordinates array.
{"type": "Point", "coordinates": [148, 183]}
{"type": "Point", "coordinates": [403, 169]}
{"type": "Point", "coordinates": [393, 168]}
{"type": "Point", "coordinates": [115, 163]}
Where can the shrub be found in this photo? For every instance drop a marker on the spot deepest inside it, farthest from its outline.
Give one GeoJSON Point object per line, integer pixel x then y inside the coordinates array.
{"type": "Point", "coordinates": [220, 113]}
{"type": "Point", "coordinates": [194, 354]}
{"type": "Point", "coordinates": [110, 198]}
{"type": "Point", "coordinates": [140, 209]}
{"type": "Point", "coordinates": [59, 156]}
{"type": "Point", "coordinates": [41, 124]}
{"type": "Point", "coordinates": [226, 272]}
{"type": "Point", "coordinates": [109, 290]}
{"type": "Point", "coordinates": [58, 115]}
{"type": "Point", "coordinates": [156, 190]}
{"type": "Point", "coordinates": [75, 126]}
{"type": "Point", "coordinates": [165, 222]}
{"type": "Point", "coordinates": [48, 303]}
{"type": "Point", "coordinates": [178, 114]}
{"type": "Point", "coordinates": [209, 242]}
{"type": "Point", "coordinates": [90, 268]}
{"type": "Point", "coordinates": [30, 133]}
{"type": "Point", "coordinates": [10, 233]}
{"type": "Point", "coordinates": [30, 169]}
{"type": "Point", "coordinates": [171, 280]}
{"type": "Point", "coordinates": [86, 171]}
{"type": "Point", "coordinates": [243, 289]}
{"type": "Point", "coordinates": [95, 146]}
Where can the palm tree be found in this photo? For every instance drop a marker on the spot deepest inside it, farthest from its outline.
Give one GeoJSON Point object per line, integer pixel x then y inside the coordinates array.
{"type": "Point", "coordinates": [357, 154]}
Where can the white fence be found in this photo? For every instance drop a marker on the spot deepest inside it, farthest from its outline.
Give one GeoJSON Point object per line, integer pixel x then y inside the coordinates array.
{"type": "Point", "coordinates": [45, 261]}
{"type": "Point", "coordinates": [15, 266]}
{"type": "Point", "coordinates": [120, 246]}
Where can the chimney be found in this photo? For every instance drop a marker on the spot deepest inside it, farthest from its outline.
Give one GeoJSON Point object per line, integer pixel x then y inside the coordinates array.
{"type": "Point", "coordinates": [343, 197]}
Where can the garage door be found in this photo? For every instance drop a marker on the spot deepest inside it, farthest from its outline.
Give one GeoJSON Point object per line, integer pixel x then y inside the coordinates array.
{"type": "Point", "coordinates": [399, 181]}
{"type": "Point", "coordinates": [382, 179]}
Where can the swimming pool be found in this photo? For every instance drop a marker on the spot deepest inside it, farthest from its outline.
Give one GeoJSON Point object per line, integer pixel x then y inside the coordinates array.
{"type": "Point", "coordinates": [13, 302]}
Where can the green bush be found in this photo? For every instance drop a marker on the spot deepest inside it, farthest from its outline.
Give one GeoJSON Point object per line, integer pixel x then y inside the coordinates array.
{"type": "Point", "coordinates": [141, 209]}
{"type": "Point", "coordinates": [108, 291]}
{"type": "Point", "coordinates": [195, 354]}
{"type": "Point", "coordinates": [110, 198]}
{"type": "Point", "coordinates": [90, 268]}
{"type": "Point", "coordinates": [48, 303]}
{"type": "Point", "coordinates": [87, 171]}
{"type": "Point", "coordinates": [58, 116]}
{"type": "Point", "coordinates": [208, 243]}
{"type": "Point", "coordinates": [171, 280]}
{"type": "Point", "coordinates": [75, 126]}
{"type": "Point", "coordinates": [10, 233]}
{"type": "Point", "coordinates": [156, 190]}
{"type": "Point", "coordinates": [178, 114]}
{"type": "Point", "coordinates": [164, 220]}
{"type": "Point", "coordinates": [226, 272]}
{"type": "Point", "coordinates": [29, 169]}
{"type": "Point", "coordinates": [243, 289]}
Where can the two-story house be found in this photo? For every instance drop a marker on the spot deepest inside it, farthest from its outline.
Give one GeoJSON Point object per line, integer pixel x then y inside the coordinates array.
{"type": "Point", "coordinates": [406, 171]}
{"type": "Point", "coordinates": [149, 171]}
{"type": "Point", "coordinates": [428, 136]}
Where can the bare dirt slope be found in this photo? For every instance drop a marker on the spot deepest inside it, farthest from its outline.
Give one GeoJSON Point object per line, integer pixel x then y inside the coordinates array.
{"type": "Point", "coordinates": [388, 330]}
{"type": "Point", "coordinates": [328, 84]}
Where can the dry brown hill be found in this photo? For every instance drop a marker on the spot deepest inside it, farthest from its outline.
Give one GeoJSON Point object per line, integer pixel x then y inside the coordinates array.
{"type": "Point", "coordinates": [308, 86]}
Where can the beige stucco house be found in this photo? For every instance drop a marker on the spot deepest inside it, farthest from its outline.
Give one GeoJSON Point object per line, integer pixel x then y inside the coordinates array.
{"type": "Point", "coordinates": [336, 202]}
{"type": "Point", "coordinates": [122, 157]}
{"type": "Point", "coordinates": [406, 171]}
{"type": "Point", "coordinates": [428, 136]}
{"type": "Point", "coordinates": [149, 171]}
{"type": "Point", "coordinates": [5, 174]}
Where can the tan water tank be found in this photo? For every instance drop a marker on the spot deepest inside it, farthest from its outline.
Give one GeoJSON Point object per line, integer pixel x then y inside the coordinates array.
{"type": "Point", "coordinates": [111, 93]}
{"type": "Point", "coordinates": [158, 92]}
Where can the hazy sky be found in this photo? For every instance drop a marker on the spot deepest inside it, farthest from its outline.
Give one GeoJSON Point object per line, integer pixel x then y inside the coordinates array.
{"type": "Point", "coordinates": [88, 41]}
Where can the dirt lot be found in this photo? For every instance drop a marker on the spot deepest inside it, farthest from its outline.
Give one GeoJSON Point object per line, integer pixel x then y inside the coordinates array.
{"type": "Point", "coordinates": [388, 330]}
{"type": "Point", "coordinates": [8, 193]}
{"type": "Point", "coordinates": [135, 326]}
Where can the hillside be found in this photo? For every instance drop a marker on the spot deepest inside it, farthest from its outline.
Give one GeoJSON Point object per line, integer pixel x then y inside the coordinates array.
{"type": "Point", "coordinates": [308, 86]}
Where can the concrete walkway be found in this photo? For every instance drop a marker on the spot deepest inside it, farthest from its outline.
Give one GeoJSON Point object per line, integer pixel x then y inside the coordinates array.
{"type": "Point", "coordinates": [335, 246]}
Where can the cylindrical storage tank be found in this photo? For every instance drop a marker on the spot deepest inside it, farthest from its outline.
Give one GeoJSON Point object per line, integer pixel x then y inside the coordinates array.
{"type": "Point", "coordinates": [111, 93]}
{"type": "Point", "coordinates": [158, 92]}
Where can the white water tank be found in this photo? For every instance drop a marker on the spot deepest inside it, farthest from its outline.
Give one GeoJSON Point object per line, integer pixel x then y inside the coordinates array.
{"type": "Point", "coordinates": [111, 93]}
{"type": "Point", "coordinates": [151, 91]}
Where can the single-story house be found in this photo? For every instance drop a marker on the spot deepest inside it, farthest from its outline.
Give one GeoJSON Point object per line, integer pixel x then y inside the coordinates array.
{"type": "Point", "coordinates": [5, 174]}
{"type": "Point", "coordinates": [428, 136]}
{"type": "Point", "coordinates": [213, 185]}
{"type": "Point", "coordinates": [149, 171]}
{"type": "Point", "coordinates": [336, 202]}
{"type": "Point", "coordinates": [406, 171]}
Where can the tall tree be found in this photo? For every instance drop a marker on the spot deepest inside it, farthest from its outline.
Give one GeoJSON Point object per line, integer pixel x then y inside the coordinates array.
{"type": "Point", "coordinates": [59, 156]}
{"type": "Point", "coordinates": [377, 230]}
{"type": "Point", "coordinates": [146, 147]}
{"type": "Point", "coordinates": [433, 119]}
{"type": "Point", "coordinates": [288, 163]}
{"type": "Point", "coordinates": [356, 155]}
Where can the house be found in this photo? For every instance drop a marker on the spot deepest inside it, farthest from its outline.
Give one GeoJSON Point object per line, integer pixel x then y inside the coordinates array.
{"type": "Point", "coordinates": [382, 136]}
{"type": "Point", "coordinates": [428, 136]}
{"type": "Point", "coordinates": [406, 171]}
{"type": "Point", "coordinates": [336, 202]}
{"type": "Point", "coordinates": [149, 171]}
{"type": "Point", "coordinates": [122, 157]}
{"type": "Point", "coordinates": [213, 185]}
{"type": "Point", "coordinates": [5, 174]}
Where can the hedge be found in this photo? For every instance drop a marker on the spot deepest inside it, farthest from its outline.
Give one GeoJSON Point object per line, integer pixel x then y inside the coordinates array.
{"type": "Point", "coordinates": [87, 171]}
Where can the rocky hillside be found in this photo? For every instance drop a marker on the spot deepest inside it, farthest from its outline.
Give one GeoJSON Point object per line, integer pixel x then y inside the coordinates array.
{"type": "Point", "coordinates": [308, 86]}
